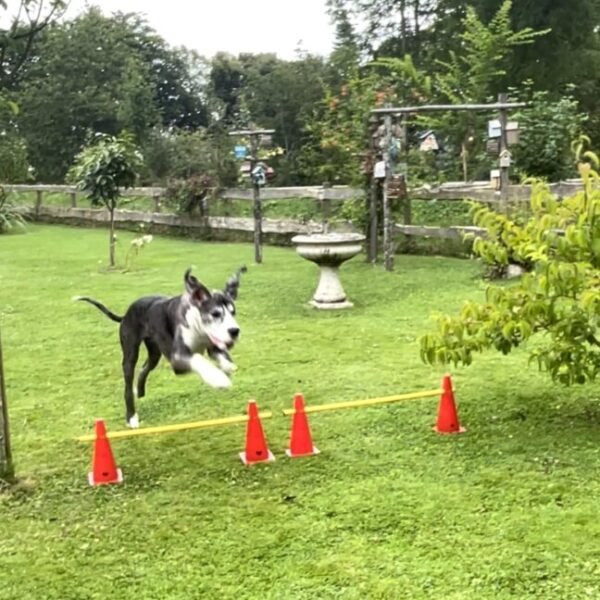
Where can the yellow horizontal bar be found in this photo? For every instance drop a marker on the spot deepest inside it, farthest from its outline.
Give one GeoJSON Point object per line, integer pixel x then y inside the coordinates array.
{"type": "Point", "coordinates": [367, 402]}
{"type": "Point", "coordinates": [127, 433]}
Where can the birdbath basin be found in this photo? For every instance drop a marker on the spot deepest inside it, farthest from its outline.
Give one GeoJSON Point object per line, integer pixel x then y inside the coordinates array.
{"type": "Point", "coordinates": [329, 251]}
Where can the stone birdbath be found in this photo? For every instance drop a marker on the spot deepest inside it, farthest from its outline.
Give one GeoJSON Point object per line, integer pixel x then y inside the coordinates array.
{"type": "Point", "coordinates": [329, 251]}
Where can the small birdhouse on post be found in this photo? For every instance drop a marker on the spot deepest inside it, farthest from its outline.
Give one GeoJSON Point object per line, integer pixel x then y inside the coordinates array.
{"type": "Point", "coordinates": [258, 174]}
{"type": "Point", "coordinates": [428, 142]}
{"type": "Point", "coordinates": [505, 159]}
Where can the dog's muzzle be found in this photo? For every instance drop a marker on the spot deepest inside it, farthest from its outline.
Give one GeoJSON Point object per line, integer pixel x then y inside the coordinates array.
{"type": "Point", "coordinates": [234, 334]}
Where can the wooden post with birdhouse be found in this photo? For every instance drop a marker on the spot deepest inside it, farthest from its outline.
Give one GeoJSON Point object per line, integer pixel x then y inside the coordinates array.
{"type": "Point", "coordinates": [388, 224]}
{"type": "Point", "coordinates": [504, 153]}
{"type": "Point", "coordinates": [376, 174]}
{"type": "Point", "coordinates": [258, 178]}
{"type": "Point", "coordinates": [508, 134]}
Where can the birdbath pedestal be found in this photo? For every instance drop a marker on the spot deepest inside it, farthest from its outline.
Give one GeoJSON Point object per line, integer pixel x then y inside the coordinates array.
{"type": "Point", "coordinates": [329, 251]}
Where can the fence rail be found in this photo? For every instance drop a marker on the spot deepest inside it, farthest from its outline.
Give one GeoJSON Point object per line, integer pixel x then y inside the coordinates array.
{"type": "Point", "coordinates": [454, 232]}
{"type": "Point", "coordinates": [477, 190]}
{"type": "Point", "coordinates": [452, 191]}
{"type": "Point", "coordinates": [267, 193]}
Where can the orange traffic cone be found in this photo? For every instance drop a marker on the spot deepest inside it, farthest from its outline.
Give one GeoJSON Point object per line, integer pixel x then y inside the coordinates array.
{"type": "Point", "coordinates": [301, 440]}
{"type": "Point", "coordinates": [104, 468]}
{"type": "Point", "coordinates": [256, 444]}
{"type": "Point", "coordinates": [447, 421]}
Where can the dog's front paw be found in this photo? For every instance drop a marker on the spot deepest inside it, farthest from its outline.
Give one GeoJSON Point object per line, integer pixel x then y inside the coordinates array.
{"type": "Point", "coordinates": [209, 372]}
{"type": "Point", "coordinates": [227, 367]}
{"type": "Point", "coordinates": [217, 379]}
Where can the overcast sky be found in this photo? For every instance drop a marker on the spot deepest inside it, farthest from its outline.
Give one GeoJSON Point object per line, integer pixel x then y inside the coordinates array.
{"type": "Point", "coordinates": [234, 26]}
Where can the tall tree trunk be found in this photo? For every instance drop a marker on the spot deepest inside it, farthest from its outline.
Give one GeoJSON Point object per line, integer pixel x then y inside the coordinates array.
{"type": "Point", "coordinates": [417, 36]}
{"type": "Point", "coordinates": [111, 246]}
{"type": "Point", "coordinates": [6, 466]}
{"type": "Point", "coordinates": [403, 25]}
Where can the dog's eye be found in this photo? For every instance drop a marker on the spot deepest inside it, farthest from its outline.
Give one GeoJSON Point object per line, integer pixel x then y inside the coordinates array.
{"type": "Point", "coordinates": [216, 314]}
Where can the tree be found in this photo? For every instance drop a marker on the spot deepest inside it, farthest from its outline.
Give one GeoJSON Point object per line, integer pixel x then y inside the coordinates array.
{"type": "Point", "coordinates": [77, 87]}
{"type": "Point", "coordinates": [429, 30]}
{"type": "Point", "coordinates": [547, 127]}
{"type": "Point", "coordinates": [473, 75]}
{"type": "Point", "coordinates": [176, 75]}
{"type": "Point", "coordinates": [105, 168]}
{"type": "Point", "coordinates": [388, 27]}
{"type": "Point", "coordinates": [225, 83]}
{"type": "Point", "coordinates": [345, 57]}
{"type": "Point", "coordinates": [16, 42]}
{"type": "Point", "coordinates": [341, 130]}
{"type": "Point", "coordinates": [137, 111]}
{"type": "Point", "coordinates": [140, 83]}
{"type": "Point", "coordinates": [281, 95]}
{"type": "Point", "coordinates": [14, 166]}
{"type": "Point", "coordinates": [558, 303]}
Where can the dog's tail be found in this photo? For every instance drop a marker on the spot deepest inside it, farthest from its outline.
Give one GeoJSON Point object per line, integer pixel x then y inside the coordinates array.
{"type": "Point", "coordinates": [233, 283]}
{"type": "Point", "coordinates": [111, 315]}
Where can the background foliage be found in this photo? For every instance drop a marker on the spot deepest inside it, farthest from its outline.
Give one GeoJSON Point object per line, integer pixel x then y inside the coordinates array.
{"type": "Point", "coordinates": [559, 299]}
{"type": "Point", "coordinates": [177, 103]}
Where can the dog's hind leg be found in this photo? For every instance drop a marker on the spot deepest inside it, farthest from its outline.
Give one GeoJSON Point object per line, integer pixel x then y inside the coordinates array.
{"type": "Point", "coordinates": [150, 364]}
{"type": "Point", "coordinates": [131, 350]}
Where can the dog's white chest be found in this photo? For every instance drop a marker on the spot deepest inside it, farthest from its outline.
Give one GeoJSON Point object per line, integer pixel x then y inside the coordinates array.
{"type": "Point", "coordinates": [192, 331]}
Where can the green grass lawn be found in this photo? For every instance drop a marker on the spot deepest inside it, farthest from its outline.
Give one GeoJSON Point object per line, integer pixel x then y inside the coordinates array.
{"type": "Point", "coordinates": [387, 510]}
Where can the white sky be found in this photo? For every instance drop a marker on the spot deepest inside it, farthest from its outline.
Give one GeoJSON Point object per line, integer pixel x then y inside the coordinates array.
{"type": "Point", "coordinates": [233, 26]}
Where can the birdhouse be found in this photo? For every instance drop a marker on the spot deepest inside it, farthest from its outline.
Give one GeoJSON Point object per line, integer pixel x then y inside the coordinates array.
{"type": "Point", "coordinates": [493, 146]}
{"type": "Point", "coordinates": [512, 133]}
{"type": "Point", "coordinates": [505, 159]}
{"type": "Point", "coordinates": [494, 129]}
{"type": "Point", "coordinates": [258, 175]}
{"type": "Point", "coordinates": [266, 141]}
{"type": "Point", "coordinates": [428, 142]}
{"type": "Point", "coordinates": [397, 187]}
{"type": "Point", "coordinates": [240, 152]}
{"type": "Point", "coordinates": [379, 170]}
{"type": "Point", "coordinates": [495, 179]}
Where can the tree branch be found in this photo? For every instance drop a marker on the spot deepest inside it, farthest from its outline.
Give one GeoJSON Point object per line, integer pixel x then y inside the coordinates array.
{"type": "Point", "coordinates": [19, 31]}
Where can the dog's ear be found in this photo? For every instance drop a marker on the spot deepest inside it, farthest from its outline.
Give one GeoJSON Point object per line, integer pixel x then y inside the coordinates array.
{"type": "Point", "coordinates": [233, 283]}
{"type": "Point", "coordinates": [194, 288]}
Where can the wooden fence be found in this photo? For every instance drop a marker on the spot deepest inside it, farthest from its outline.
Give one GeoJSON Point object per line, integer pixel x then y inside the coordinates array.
{"type": "Point", "coordinates": [216, 227]}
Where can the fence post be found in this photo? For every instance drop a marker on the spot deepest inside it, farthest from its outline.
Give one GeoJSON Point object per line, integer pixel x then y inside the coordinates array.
{"type": "Point", "coordinates": [156, 199]}
{"type": "Point", "coordinates": [406, 212]}
{"type": "Point", "coordinates": [257, 205]}
{"type": "Point", "coordinates": [373, 224]}
{"type": "Point", "coordinates": [388, 225]}
{"type": "Point", "coordinates": [38, 201]}
{"type": "Point", "coordinates": [73, 199]}
{"type": "Point", "coordinates": [504, 174]}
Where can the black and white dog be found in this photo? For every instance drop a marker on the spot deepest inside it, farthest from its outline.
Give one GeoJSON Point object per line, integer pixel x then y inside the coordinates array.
{"type": "Point", "coordinates": [181, 328]}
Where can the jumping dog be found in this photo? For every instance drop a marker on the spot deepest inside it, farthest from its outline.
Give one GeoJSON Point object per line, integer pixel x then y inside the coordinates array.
{"type": "Point", "coordinates": [181, 328]}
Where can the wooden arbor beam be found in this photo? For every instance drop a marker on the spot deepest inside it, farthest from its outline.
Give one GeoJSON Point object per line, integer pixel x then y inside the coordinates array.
{"type": "Point", "coordinates": [502, 107]}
